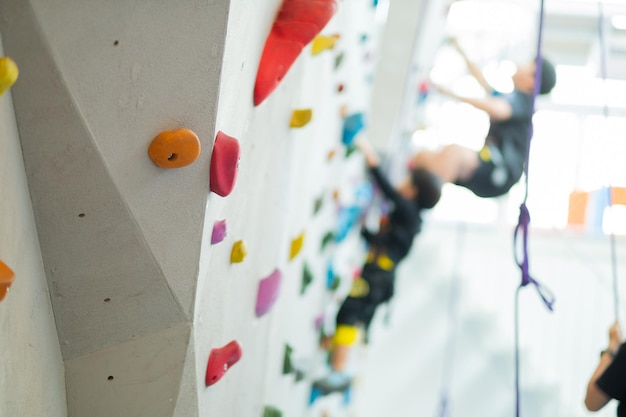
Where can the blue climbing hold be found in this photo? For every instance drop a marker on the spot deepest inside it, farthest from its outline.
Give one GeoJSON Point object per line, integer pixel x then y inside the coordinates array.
{"type": "Point", "coordinates": [352, 125]}
{"type": "Point", "coordinates": [348, 217]}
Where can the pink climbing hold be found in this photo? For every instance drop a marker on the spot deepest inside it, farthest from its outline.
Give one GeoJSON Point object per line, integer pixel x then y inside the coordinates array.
{"type": "Point", "coordinates": [268, 292]}
{"type": "Point", "coordinates": [219, 232]}
{"type": "Point", "coordinates": [224, 164]}
{"type": "Point", "coordinates": [297, 23]}
{"type": "Point", "coordinates": [220, 361]}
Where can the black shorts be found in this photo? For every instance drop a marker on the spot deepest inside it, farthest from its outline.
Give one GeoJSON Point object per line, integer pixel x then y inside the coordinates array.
{"type": "Point", "coordinates": [489, 179]}
{"type": "Point", "coordinates": [355, 310]}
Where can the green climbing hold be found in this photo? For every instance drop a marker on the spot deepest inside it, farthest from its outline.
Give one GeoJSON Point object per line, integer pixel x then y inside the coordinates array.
{"type": "Point", "coordinates": [271, 411]}
{"type": "Point", "coordinates": [339, 60]}
{"type": "Point", "coordinates": [328, 237]}
{"type": "Point", "coordinates": [350, 150]}
{"type": "Point", "coordinates": [287, 362]}
{"type": "Point", "coordinates": [307, 278]}
{"type": "Point", "coordinates": [317, 205]}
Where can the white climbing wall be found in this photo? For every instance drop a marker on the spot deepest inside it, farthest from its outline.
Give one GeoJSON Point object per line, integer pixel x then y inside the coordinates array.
{"type": "Point", "coordinates": [139, 294]}
{"type": "Point", "coordinates": [282, 172]}
{"type": "Point", "coordinates": [119, 311]}
{"type": "Point", "coordinates": [31, 367]}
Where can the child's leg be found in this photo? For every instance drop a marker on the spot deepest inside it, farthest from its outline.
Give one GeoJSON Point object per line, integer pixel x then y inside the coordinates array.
{"type": "Point", "coordinates": [451, 163]}
{"type": "Point", "coordinates": [345, 337]}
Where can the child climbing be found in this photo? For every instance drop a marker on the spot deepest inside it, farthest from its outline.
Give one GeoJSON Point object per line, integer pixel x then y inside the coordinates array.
{"type": "Point", "coordinates": [493, 170]}
{"type": "Point", "coordinates": [386, 249]}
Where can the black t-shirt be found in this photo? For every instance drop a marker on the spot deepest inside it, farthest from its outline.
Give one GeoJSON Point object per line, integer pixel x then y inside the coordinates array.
{"type": "Point", "coordinates": [511, 135]}
{"type": "Point", "coordinates": [613, 380]}
{"type": "Point", "coordinates": [396, 237]}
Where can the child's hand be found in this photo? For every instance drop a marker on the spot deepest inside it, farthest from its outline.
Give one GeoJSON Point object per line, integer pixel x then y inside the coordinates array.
{"type": "Point", "coordinates": [371, 157]}
{"type": "Point", "coordinates": [615, 336]}
{"type": "Point", "coordinates": [442, 90]}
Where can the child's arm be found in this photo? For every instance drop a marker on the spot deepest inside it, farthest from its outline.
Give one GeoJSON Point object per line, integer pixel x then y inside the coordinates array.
{"type": "Point", "coordinates": [596, 398]}
{"type": "Point", "coordinates": [371, 157]}
{"type": "Point", "coordinates": [496, 107]}
{"type": "Point", "coordinates": [373, 163]}
{"type": "Point", "coordinates": [473, 69]}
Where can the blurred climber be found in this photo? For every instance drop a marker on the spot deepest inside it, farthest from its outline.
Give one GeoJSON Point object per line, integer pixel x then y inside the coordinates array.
{"type": "Point", "coordinates": [386, 249]}
{"type": "Point", "coordinates": [609, 379]}
{"type": "Point", "coordinates": [493, 170]}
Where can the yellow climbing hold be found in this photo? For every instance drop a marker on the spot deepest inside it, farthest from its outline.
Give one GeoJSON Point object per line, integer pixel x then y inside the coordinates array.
{"type": "Point", "coordinates": [300, 118]}
{"type": "Point", "coordinates": [321, 43]}
{"type": "Point", "coordinates": [296, 246]}
{"type": "Point", "coordinates": [8, 73]}
{"type": "Point", "coordinates": [239, 252]}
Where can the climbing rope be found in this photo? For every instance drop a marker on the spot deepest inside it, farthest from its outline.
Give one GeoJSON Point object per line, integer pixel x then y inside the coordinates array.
{"type": "Point", "coordinates": [605, 113]}
{"type": "Point", "coordinates": [453, 321]}
{"type": "Point", "coordinates": [524, 222]}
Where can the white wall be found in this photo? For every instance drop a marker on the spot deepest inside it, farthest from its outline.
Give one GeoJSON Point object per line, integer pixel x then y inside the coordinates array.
{"type": "Point", "coordinates": [281, 173]}
{"type": "Point", "coordinates": [31, 369]}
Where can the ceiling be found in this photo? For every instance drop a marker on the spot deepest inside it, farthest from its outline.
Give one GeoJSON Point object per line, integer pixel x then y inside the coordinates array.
{"type": "Point", "coordinates": [572, 35]}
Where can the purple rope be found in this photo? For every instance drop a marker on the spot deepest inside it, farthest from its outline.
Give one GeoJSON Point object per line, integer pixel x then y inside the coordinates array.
{"type": "Point", "coordinates": [524, 222]}
{"type": "Point", "coordinates": [522, 226]}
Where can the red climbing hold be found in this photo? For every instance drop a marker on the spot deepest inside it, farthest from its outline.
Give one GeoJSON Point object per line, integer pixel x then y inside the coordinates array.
{"type": "Point", "coordinates": [297, 23]}
{"type": "Point", "coordinates": [220, 361]}
{"type": "Point", "coordinates": [224, 164]}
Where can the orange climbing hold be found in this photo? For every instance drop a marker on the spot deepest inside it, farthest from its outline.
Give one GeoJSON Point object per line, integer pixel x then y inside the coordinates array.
{"type": "Point", "coordinates": [6, 279]}
{"type": "Point", "coordinates": [297, 23]}
{"type": "Point", "coordinates": [322, 43]}
{"type": "Point", "coordinates": [174, 148]}
{"type": "Point", "coordinates": [224, 164]}
{"type": "Point", "coordinates": [300, 118]}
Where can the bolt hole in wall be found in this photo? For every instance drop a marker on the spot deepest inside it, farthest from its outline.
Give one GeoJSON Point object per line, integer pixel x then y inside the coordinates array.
{"type": "Point", "coordinates": [81, 215]}
{"type": "Point", "coordinates": [110, 378]}
{"type": "Point", "coordinates": [116, 43]}
{"type": "Point", "coordinates": [106, 300]}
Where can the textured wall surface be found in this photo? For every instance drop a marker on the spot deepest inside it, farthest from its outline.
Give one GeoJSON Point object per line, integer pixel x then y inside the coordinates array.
{"type": "Point", "coordinates": [140, 295]}
{"type": "Point", "coordinates": [31, 368]}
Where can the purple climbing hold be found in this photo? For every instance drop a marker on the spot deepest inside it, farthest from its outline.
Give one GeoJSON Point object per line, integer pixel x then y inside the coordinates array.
{"type": "Point", "coordinates": [219, 232]}
{"type": "Point", "coordinates": [268, 292]}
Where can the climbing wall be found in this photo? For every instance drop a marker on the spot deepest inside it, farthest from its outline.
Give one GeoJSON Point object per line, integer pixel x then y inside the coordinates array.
{"type": "Point", "coordinates": [31, 367]}
{"type": "Point", "coordinates": [154, 265]}
{"type": "Point", "coordinates": [293, 185]}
